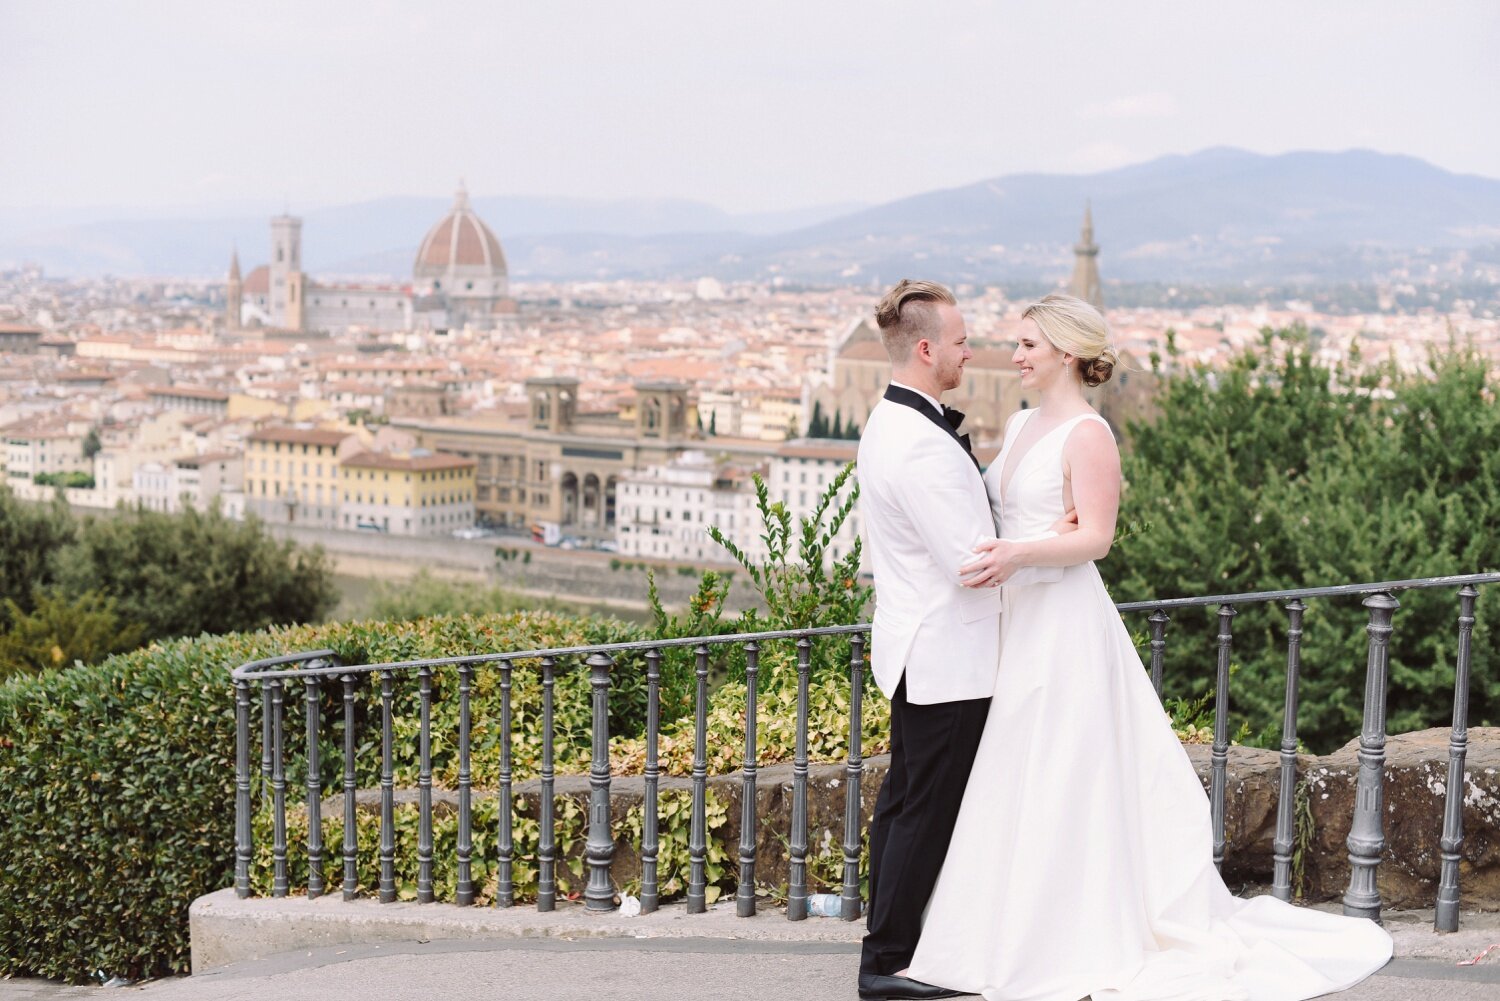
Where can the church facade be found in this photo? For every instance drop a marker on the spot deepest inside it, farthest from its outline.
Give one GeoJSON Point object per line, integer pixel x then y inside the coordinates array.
{"type": "Point", "coordinates": [991, 390]}
{"type": "Point", "coordinates": [459, 279]}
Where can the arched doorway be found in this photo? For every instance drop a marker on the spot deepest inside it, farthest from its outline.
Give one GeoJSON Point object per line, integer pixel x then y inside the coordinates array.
{"type": "Point", "coordinates": [569, 488]}
{"type": "Point", "coordinates": [591, 501]}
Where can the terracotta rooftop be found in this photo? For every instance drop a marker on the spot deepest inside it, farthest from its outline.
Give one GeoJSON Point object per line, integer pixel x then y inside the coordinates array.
{"type": "Point", "coordinates": [192, 393]}
{"type": "Point", "coordinates": [258, 281]}
{"type": "Point", "coordinates": [406, 463]}
{"type": "Point", "coordinates": [194, 461]}
{"type": "Point", "coordinates": [300, 436]}
{"type": "Point", "coordinates": [817, 448]}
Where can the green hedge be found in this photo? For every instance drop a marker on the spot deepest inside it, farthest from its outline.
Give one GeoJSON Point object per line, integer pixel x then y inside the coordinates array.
{"type": "Point", "coordinates": [117, 782]}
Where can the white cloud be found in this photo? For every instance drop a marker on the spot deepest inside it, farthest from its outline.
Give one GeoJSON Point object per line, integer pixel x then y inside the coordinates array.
{"type": "Point", "coordinates": [1155, 104]}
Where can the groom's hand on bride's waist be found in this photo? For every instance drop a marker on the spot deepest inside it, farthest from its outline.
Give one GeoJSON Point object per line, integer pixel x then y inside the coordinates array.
{"type": "Point", "coordinates": [1067, 523]}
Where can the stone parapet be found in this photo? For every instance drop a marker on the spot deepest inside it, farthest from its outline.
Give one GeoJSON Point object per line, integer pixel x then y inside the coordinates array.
{"type": "Point", "coordinates": [1416, 775]}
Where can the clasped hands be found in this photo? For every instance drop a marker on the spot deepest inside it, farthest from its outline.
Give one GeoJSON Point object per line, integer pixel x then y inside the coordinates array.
{"type": "Point", "coordinates": [995, 560]}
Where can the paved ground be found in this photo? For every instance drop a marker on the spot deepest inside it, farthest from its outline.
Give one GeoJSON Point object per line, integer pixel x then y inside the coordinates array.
{"type": "Point", "coordinates": [764, 958]}
{"type": "Point", "coordinates": [614, 970]}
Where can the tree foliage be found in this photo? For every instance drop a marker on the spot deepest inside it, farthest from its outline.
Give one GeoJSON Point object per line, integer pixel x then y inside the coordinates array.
{"type": "Point", "coordinates": [1282, 471]}
{"type": "Point", "coordinates": [60, 630]}
{"type": "Point", "coordinates": [31, 536]}
{"type": "Point", "coordinates": [64, 580]}
{"type": "Point", "coordinates": [191, 573]}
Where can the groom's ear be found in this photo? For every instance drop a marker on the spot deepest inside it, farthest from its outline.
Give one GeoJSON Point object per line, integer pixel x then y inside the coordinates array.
{"type": "Point", "coordinates": [923, 350]}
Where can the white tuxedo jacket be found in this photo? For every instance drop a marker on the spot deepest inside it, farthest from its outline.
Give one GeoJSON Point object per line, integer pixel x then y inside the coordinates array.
{"type": "Point", "coordinates": [924, 508]}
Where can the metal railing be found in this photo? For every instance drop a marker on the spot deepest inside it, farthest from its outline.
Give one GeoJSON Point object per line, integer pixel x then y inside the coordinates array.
{"type": "Point", "coordinates": [1366, 840]}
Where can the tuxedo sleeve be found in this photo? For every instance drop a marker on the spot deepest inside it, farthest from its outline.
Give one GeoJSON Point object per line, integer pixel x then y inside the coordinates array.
{"type": "Point", "coordinates": [937, 492]}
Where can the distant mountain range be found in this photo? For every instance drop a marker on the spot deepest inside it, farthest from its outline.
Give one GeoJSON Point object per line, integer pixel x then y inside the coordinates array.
{"type": "Point", "coordinates": [1217, 215]}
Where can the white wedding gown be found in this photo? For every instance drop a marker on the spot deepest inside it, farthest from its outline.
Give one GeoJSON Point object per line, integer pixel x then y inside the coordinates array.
{"type": "Point", "coordinates": [1081, 862]}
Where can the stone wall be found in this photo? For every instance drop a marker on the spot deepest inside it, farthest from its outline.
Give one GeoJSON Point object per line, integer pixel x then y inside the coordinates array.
{"type": "Point", "coordinates": [1416, 772]}
{"type": "Point", "coordinates": [582, 575]}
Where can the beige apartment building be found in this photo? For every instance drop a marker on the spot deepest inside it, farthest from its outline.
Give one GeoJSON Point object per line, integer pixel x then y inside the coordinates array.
{"type": "Point", "coordinates": [557, 464]}
{"type": "Point", "coordinates": [406, 493]}
{"type": "Point", "coordinates": [292, 473]}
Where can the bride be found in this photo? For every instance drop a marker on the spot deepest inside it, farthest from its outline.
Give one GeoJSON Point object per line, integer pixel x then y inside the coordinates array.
{"type": "Point", "coordinates": [1081, 862]}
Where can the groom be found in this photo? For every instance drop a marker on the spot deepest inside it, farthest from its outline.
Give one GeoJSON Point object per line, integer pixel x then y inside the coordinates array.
{"type": "Point", "coordinates": [934, 644]}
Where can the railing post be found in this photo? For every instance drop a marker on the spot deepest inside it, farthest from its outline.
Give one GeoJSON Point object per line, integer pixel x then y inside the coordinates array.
{"type": "Point", "coordinates": [1218, 767]}
{"type": "Point", "coordinates": [387, 791]}
{"type": "Point", "coordinates": [1367, 833]}
{"type": "Point", "coordinates": [314, 791]}
{"type": "Point", "coordinates": [744, 900]}
{"type": "Point", "coordinates": [463, 890]}
{"type": "Point", "coordinates": [546, 846]}
{"type": "Point", "coordinates": [600, 849]}
{"type": "Point", "coordinates": [1158, 620]}
{"type": "Point", "coordinates": [279, 881]}
{"type": "Point", "coordinates": [650, 820]}
{"type": "Point", "coordinates": [242, 836]}
{"type": "Point", "coordinates": [505, 852]}
{"type": "Point", "coordinates": [1286, 820]}
{"type": "Point", "coordinates": [351, 787]}
{"type": "Point", "coordinates": [796, 894]}
{"type": "Point", "coordinates": [697, 898]}
{"type": "Point", "coordinates": [265, 738]}
{"type": "Point", "coordinates": [1452, 842]}
{"type": "Point", "coordinates": [424, 785]}
{"type": "Point", "coordinates": [849, 902]}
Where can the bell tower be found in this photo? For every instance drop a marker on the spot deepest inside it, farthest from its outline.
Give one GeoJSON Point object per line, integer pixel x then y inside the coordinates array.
{"type": "Point", "coordinates": [1085, 281]}
{"type": "Point", "coordinates": [552, 402]}
{"type": "Point", "coordinates": [286, 260]}
{"type": "Point", "coordinates": [661, 409]}
{"type": "Point", "coordinates": [234, 294]}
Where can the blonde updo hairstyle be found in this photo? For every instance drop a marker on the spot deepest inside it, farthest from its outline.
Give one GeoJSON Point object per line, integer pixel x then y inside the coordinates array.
{"type": "Point", "coordinates": [1074, 327]}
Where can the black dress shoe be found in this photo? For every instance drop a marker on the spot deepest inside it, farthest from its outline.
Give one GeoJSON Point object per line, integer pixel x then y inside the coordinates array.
{"type": "Point", "coordinates": [873, 987]}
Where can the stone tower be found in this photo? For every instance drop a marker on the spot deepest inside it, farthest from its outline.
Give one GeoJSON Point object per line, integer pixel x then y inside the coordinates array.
{"type": "Point", "coordinates": [286, 261]}
{"type": "Point", "coordinates": [234, 295]}
{"type": "Point", "coordinates": [661, 409]}
{"type": "Point", "coordinates": [554, 402]}
{"type": "Point", "coordinates": [1085, 281]}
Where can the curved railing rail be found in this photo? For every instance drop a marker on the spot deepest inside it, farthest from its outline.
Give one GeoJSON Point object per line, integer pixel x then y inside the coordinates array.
{"type": "Point", "coordinates": [313, 669]}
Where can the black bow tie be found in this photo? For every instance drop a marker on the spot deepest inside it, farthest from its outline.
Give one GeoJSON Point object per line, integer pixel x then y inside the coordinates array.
{"type": "Point", "coordinates": [953, 417]}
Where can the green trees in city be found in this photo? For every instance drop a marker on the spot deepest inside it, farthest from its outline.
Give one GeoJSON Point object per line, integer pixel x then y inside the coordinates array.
{"type": "Point", "coordinates": [80, 589]}
{"type": "Point", "coordinates": [1284, 471]}
{"type": "Point", "coordinates": [818, 425]}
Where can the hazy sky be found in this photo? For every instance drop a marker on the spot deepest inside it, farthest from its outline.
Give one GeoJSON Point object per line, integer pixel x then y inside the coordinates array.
{"type": "Point", "coordinates": [750, 106]}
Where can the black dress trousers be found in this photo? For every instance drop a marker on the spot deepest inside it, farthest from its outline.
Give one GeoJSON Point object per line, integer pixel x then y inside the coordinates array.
{"type": "Point", "coordinates": [932, 751]}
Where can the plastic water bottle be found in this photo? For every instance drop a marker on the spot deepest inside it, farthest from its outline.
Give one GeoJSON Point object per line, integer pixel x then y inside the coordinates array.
{"type": "Point", "coordinates": [825, 905]}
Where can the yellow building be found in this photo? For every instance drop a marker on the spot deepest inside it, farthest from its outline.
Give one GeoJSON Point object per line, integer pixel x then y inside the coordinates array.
{"type": "Point", "coordinates": [292, 473]}
{"type": "Point", "coordinates": [415, 493]}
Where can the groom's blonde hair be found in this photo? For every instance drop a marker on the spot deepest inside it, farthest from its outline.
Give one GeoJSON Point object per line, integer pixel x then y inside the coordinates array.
{"type": "Point", "coordinates": [908, 314]}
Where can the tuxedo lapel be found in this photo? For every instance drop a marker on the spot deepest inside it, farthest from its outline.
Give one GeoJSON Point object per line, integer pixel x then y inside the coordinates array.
{"type": "Point", "coordinates": [908, 398]}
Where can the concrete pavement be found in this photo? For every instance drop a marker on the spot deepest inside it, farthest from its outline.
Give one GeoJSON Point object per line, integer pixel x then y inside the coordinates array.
{"type": "Point", "coordinates": [519, 954]}
{"type": "Point", "coordinates": [614, 969]}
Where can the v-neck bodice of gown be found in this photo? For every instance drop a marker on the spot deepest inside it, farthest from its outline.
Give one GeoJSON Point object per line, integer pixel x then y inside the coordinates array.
{"type": "Point", "coordinates": [1032, 500]}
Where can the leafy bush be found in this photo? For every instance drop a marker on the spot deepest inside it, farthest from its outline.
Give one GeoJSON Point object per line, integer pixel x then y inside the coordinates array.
{"type": "Point", "coordinates": [59, 631]}
{"type": "Point", "coordinates": [1279, 471]}
{"type": "Point", "coordinates": [157, 575]}
{"type": "Point", "coordinates": [191, 573]}
{"type": "Point", "coordinates": [570, 827]}
{"type": "Point", "coordinates": [72, 478]}
{"type": "Point", "coordinates": [118, 780]}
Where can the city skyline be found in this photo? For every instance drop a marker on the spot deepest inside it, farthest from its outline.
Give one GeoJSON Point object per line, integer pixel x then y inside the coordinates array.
{"type": "Point", "coordinates": [171, 106]}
